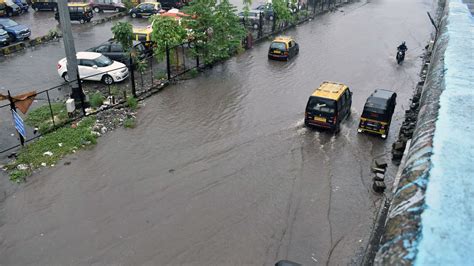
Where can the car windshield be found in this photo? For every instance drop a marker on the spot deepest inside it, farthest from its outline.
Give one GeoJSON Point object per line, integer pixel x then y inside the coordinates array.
{"type": "Point", "coordinates": [103, 61]}
{"type": "Point", "coordinates": [278, 45]}
{"type": "Point", "coordinates": [141, 37]}
{"type": "Point", "coordinates": [322, 105]}
{"type": "Point", "coordinates": [9, 23]}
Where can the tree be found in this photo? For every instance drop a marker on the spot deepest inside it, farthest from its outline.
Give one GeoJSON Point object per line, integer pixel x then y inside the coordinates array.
{"type": "Point", "coordinates": [282, 11]}
{"type": "Point", "coordinates": [167, 33]}
{"type": "Point", "coordinates": [217, 29]}
{"type": "Point", "coordinates": [123, 33]}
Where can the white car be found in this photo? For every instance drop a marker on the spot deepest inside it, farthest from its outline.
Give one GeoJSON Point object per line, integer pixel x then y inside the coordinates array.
{"type": "Point", "coordinates": [95, 66]}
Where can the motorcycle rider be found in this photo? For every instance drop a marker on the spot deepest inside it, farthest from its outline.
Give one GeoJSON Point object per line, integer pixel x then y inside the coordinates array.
{"type": "Point", "coordinates": [402, 47]}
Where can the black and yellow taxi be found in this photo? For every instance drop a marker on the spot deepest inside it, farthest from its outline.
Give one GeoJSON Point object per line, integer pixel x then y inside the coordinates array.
{"type": "Point", "coordinates": [378, 111]}
{"type": "Point", "coordinates": [328, 106]}
{"type": "Point", "coordinates": [81, 12]}
{"type": "Point", "coordinates": [145, 10]}
{"type": "Point", "coordinates": [143, 35]}
{"type": "Point", "coordinates": [283, 48]}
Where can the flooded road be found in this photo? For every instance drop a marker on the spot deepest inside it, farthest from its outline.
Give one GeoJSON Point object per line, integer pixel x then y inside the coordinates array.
{"type": "Point", "coordinates": [220, 169]}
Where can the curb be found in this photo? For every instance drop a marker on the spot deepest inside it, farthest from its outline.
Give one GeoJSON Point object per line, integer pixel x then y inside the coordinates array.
{"type": "Point", "coordinates": [106, 19]}
{"type": "Point", "coordinates": [13, 48]}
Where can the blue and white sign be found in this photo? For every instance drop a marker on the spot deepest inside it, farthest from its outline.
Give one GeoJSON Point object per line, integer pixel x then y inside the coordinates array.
{"type": "Point", "coordinates": [19, 124]}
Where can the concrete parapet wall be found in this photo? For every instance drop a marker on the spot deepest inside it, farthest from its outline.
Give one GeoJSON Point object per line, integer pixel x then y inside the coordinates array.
{"type": "Point", "coordinates": [407, 225]}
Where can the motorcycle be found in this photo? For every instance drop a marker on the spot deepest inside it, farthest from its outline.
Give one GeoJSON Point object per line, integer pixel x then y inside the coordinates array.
{"type": "Point", "coordinates": [400, 56]}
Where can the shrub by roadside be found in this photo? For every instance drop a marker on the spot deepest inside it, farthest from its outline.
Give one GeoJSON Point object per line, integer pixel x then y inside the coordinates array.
{"type": "Point", "coordinates": [50, 148]}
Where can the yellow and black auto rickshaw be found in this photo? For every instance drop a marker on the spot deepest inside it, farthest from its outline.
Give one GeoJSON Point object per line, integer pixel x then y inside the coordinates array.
{"type": "Point", "coordinates": [378, 111]}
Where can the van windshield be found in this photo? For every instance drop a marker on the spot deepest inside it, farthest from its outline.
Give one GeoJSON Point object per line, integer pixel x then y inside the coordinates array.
{"type": "Point", "coordinates": [278, 45]}
{"type": "Point", "coordinates": [321, 105]}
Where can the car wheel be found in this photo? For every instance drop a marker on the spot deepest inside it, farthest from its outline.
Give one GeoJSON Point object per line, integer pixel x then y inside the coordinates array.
{"type": "Point", "coordinates": [36, 9]}
{"type": "Point", "coordinates": [96, 9]}
{"type": "Point", "coordinates": [82, 21]}
{"type": "Point", "coordinates": [66, 77]}
{"type": "Point", "coordinates": [107, 80]}
{"type": "Point", "coordinates": [9, 14]}
{"type": "Point", "coordinates": [134, 15]}
{"type": "Point", "coordinates": [117, 9]}
{"type": "Point", "coordinates": [55, 9]}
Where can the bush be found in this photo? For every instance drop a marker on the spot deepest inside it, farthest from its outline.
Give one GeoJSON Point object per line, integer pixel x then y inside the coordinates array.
{"type": "Point", "coordinates": [193, 72]}
{"type": "Point", "coordinates": [41, 116]}
{"type": "Point", "coordinates": [96, 99]}
{"type": "Point", "coordinates": [161, 75]}
{"type": "Point", "coordinates": [129, 122]}
{"type": "Point", "coordinates": [132, 103]}
{"type": "Point", "coordinates": [63, 141]}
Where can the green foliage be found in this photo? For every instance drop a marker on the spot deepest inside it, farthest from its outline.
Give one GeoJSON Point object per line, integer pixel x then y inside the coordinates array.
{"type": "Point", "coordinates": [60, 142]}
{"type": "Point", "coordinates": [282, 10]}
{"type": "Point", "coordinates": [217, 29]}
{"type": "Point", "coordinates": [161, 75]}
{"type": "Point", "coordinates": [96, 99]}
{"type": "Point", "coordinates": [123, 33]}
{"type": "Point", "coordinates": [53, 33]}
{"type": "Point", "coordinates": [114, 90]}
{"type": "Point", "coordinates": [132, 103]}
{"type": "Point", "coordinates": [193, 72]}
{"type": "Point", "coordinates": [128, 4]}
{"type": "Point", "coordinates": [19, 175]}
{"type": "Point", "coordinates": [129, 122]}
{"type": "Point", "coordinates": [167, 32]}
{"type": "Point", "coordinates": [141, 66]}
{"type": "Point", "coordinates": [41, 116]}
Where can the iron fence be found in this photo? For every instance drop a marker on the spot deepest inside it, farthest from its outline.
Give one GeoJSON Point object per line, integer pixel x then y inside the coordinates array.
{"type": "Point", "coordinates": [135, 79]}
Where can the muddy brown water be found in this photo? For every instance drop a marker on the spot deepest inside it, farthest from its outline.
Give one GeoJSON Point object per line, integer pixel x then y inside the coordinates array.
{"type": "Point", "coordinates": [220, 169]}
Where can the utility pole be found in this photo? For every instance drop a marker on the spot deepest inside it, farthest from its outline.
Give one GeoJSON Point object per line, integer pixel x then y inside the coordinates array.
{"type": "Point", "coordinates": [65, 23]}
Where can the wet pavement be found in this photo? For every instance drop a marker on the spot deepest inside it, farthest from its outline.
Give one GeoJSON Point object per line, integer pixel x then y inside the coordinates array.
{"type": "Point", "coordinates": [42, 22]}
{"type": "Point", "coordinates": [220, 169]}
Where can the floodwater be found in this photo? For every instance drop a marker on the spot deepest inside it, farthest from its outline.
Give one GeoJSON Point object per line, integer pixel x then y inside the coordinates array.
{"type": "Point", "coordinates": [221, 170]}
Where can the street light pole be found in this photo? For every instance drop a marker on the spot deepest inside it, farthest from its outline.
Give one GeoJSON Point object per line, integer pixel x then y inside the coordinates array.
{"type": "Point", "coordinates": [68, 40]}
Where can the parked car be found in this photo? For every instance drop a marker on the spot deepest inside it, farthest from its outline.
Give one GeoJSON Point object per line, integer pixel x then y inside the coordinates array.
{"type": "Point", "coordinates": [22, 4]}
{"type": "Point", "coordinates": [95, 67]}
{"type": "Point", "coordinates": [38, 5]}
{"type": "Point", "coordinates": [169, 4]}
{"type": "Point", "coordinates": [283, 48]}
{"type": "Point", "coordinates": [4, 38]}
{"type": "Point", "coordinates": [3, 12]}
{"type": "Point", "coordinates": [107, 5]}
{"type": "Point", "coordinates": [11, 9]}
{"type": "Point", "coordinates": [267, 10]}
{"type": "Point", "coordinates": [252, 20]}
{"type": "Point", "coordinates": [377, 114]}
{"type": "Point", "coordinates": [328, 106]}
{"type": "Point", "coordinates": [145, 10]}
{"type": "Point", "coordinates": [17, 32]}
{"type": "Point", "coordinates": [114, 50]}
{"type": "Point", "coordinates": [78, 12]}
